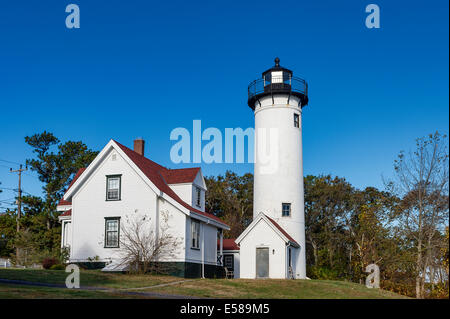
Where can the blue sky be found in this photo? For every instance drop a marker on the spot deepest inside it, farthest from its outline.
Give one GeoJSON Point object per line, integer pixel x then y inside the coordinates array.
{"type": "Point", "coordinates": [142, 68]}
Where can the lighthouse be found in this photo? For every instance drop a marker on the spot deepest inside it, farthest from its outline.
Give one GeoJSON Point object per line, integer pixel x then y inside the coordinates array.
{"type": "Point", "coordinates": [273, 245]}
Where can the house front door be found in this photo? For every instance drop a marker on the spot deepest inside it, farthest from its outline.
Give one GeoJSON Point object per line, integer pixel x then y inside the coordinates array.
{"type": "Point", "coordinates": [262, 262]}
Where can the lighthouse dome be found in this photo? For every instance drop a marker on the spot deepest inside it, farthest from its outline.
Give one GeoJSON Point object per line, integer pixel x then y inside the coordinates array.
{"type": "Point", "coordinates": [277, 80]}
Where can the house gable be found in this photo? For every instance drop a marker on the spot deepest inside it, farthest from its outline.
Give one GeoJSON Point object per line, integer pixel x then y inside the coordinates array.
{"type": "Point", "coordinates": [272, 225]}
{"type": "Point", "coordinates": [151, 173]}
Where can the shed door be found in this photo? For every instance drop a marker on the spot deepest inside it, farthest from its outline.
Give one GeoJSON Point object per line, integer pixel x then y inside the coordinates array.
{"type": "Point", "coordinates": [262, 262]}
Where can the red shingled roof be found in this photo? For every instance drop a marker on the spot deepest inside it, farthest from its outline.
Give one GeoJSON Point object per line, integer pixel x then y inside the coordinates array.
{"type": "Point", "coordinates": [63, 202]}
{"type": "Point", "coordinates": [157, 174]}
{"type": "Point", "coordinates": [281, 229]}
{"type": "Point", "coordinates": [67, 213]}
{"type": "Point", "coordinates": [228, 244]}
{"type": "Point", "coordinates": [182, 175]}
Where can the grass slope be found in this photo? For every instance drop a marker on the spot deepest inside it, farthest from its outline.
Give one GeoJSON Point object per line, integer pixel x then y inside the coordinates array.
{"type": "Point", "coordinates": [30, 292]}
{"type": "Point", "coordinates": [278, 289]}
{"type": "Point", "coordinates": [210, 288]}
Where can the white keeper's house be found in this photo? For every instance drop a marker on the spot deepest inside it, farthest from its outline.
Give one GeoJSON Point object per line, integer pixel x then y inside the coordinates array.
{"type": "Point", "coordinates": [121, 181]}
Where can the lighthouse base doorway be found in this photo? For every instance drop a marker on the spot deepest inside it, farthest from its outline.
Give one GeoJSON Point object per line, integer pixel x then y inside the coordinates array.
{"type": "Point", "coordinates": [262, 262]}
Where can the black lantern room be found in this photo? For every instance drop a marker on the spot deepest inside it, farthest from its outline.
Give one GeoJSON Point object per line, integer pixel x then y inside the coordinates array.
{"type": "Point", "coordinates": [277, 80]}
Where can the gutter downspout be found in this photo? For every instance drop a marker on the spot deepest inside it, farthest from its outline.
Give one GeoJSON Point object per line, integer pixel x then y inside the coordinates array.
{"type": "Point", "coordinates": [157, 220]}
{"type": "Point", "coordinates": [202, 231]}
{"type": "Point", "coordinates": [221, 247]}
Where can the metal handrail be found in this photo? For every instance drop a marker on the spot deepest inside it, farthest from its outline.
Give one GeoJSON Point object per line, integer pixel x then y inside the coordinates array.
{"type": "Point", "coordinates": [283, 83]}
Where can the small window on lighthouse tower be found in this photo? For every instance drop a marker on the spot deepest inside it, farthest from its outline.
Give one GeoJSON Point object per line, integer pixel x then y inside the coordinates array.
{"type": "Point", "coordinates": [286, 209]}
{"type": "Point", "coordinates": [296, 120]}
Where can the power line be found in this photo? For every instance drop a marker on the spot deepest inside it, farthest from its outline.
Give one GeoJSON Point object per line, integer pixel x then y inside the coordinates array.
{"type": "Point", "coordinates": [11, 162]}
{"type": "Point", "coordinates": [9, 189]}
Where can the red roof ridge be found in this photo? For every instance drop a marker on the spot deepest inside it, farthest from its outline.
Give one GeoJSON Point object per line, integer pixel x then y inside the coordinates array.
{"type": "Point", "coordinates": [285, 233]}
{"type": "Point", "coordinates": [64, 202]}
{"type": "Point", "coordinates": [153, 171]}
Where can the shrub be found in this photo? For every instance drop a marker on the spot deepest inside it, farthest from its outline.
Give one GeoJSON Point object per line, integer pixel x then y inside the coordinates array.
{"type": "Point", "coordinates": [47, 263]}
{"type": "Point", "coordinates": [323, 273]}
{"type": "Point", "coordinates": [57, 267]}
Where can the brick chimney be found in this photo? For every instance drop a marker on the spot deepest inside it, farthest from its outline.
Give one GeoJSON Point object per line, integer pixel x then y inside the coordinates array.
{"type": "Point", "coordinates": [139, 146]}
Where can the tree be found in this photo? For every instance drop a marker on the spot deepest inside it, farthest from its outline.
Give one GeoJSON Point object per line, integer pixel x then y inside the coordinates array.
{"type": "Point", "coordinates": [368, 224]}
{"type": "Point", "coordinates": [7, 231]}
{"type": "Point", "coordinates": [421, 180]}
{"type": "Point", "coordinates": [230, 197]}
{"type": "Point", "coordinates": [55, 170]}
{"type": "Point", "coordinates": [143, 249]}
{"type": "Point", "coordinates": [327, 201]}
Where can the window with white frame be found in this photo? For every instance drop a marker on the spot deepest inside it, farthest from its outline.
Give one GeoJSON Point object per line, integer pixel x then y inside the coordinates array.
{"type": "Point", "coordinates": [195, 234]}
{"type": "Point", "coordinates": [286, 209]}
{"type": "Point", "coordinates": [198, 196]}
{"type": "Point", "coordinates": [112, 226]}
{"type": "Point", "coordinates": [113, 183]}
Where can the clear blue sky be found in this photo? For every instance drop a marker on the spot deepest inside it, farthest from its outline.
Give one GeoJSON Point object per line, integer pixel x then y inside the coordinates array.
{"type": "Point", "coordinates": [142, 68]}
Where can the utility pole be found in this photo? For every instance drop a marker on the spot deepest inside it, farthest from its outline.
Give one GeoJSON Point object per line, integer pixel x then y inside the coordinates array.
{"type": "Point", "coordinates": [19, 199]}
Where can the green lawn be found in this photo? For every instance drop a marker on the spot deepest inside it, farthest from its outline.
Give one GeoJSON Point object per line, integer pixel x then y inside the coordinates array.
{"type": "Point", "coordinates": [210, 288]}
{"type": "Point", "coordinates": [30, 292]}
{"type": "Point", "coordinates": [88, 278]}
{"type": "Point", "coordinates": [278, 289]}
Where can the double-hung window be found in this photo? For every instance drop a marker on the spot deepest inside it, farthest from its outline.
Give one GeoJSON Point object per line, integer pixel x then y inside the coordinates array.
{"type": "Point", "coordinates": [286, 209]}
{"type": "Point", "coordinates": [113, 183]}
{"type": "Point", "coordinates": [112, 227]}
{"type": "Point", "coordinates": [195, 234]}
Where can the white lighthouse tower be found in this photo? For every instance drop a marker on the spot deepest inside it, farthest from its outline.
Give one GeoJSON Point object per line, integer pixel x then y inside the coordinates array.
{"type": "Point", "coordinates": [278, 209]}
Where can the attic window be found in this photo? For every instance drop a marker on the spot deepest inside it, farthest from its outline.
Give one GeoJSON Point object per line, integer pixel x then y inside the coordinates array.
{"type": "Point", "coordinates": [113, 183]}
{"type": "Point", "coordinates": [198, 197]}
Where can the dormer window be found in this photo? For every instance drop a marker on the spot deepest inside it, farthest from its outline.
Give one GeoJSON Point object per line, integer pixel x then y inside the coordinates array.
{"type": "Point", "coordinates": [113, 183]}
{"type": "Point", "coordinates": [198, 196]}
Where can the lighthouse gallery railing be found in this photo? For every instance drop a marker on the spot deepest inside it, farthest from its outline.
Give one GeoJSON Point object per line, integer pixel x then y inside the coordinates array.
{"type": "Point", "coordinates": [282, 84]}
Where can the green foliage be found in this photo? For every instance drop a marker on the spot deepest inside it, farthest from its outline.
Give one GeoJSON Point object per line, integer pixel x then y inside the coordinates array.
{"type": "Point", "coordinates": [58, 267]}
{"type": "Point", "coordinates": [65, 254]}
{"type": "Point", "coordinates": [55, 163]}
{"type": "Point", "coordinates": [7, 232]}
{"type": "Point", "coordinates": [230, 197]}
{"type": "Point", "coordinates": [324, 273]}
{"type": "Point", "coordinates": [48, 263]}
{"type": "Point", "coordinates": [55, 170]}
